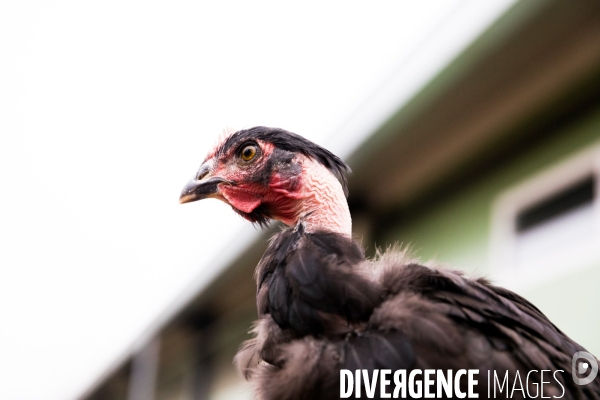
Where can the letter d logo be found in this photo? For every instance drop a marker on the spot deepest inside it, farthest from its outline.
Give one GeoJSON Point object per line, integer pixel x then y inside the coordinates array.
{"type": "Point", "coordinates": [580, 367]}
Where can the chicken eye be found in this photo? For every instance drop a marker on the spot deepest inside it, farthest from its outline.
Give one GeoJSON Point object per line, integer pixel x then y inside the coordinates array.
{"type": "Point", "coordinates": [248, 153]}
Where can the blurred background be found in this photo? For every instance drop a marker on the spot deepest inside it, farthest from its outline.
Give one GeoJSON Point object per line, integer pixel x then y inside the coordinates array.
{"type": "Point", "coordinates": [472, 128]}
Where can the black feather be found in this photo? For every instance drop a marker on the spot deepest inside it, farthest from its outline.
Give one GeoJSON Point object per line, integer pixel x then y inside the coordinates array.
{"type": "Point", "coordinates": [313, 275]}
{"type": "Point", "coordinates": [311, 288]}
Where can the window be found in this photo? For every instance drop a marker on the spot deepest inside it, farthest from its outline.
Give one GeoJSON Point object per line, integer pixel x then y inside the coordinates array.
{"type": "Point", "coordinates": [548, 225]}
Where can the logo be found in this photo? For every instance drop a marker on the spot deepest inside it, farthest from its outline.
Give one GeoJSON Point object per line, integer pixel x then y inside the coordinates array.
{"type": "Point", "coordinates": [581, 364]}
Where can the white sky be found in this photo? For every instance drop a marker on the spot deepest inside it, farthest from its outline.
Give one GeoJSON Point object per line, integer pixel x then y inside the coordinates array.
{"type": "Point", "coordinates": [106, 110]}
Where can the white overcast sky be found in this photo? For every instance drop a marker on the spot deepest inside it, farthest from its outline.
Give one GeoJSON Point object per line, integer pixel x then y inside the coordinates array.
{"type": "Point", "coordinates": [108, 107]}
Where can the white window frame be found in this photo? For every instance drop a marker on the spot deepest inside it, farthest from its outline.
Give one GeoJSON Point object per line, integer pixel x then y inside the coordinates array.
{"type": "Point", "coordinates": [544, 185]}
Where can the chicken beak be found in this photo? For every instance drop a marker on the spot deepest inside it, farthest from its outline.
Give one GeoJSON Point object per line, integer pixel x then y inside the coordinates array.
{"type": "Point", "coordinates": [203, 186]}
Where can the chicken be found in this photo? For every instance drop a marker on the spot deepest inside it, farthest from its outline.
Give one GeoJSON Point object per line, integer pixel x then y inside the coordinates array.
{"type": "Point", "coordinates": [324, 308]}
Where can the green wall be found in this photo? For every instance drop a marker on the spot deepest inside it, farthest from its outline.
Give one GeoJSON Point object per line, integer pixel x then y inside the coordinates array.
{"type": "Point", "coordinates": [456, 231]}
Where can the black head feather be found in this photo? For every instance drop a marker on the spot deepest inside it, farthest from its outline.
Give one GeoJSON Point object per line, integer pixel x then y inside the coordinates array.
{"type": "Point", "coordinates": [259, 216]}
{"type": "Point", "coordinates": [292, 142]}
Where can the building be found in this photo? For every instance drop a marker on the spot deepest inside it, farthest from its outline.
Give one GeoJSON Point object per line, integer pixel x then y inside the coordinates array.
{"type": "Point", "coordinates": [492, 167]}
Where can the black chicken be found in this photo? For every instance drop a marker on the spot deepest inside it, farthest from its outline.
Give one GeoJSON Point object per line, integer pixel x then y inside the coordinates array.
{"type": "Point", "coordinates": [323, 307]}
